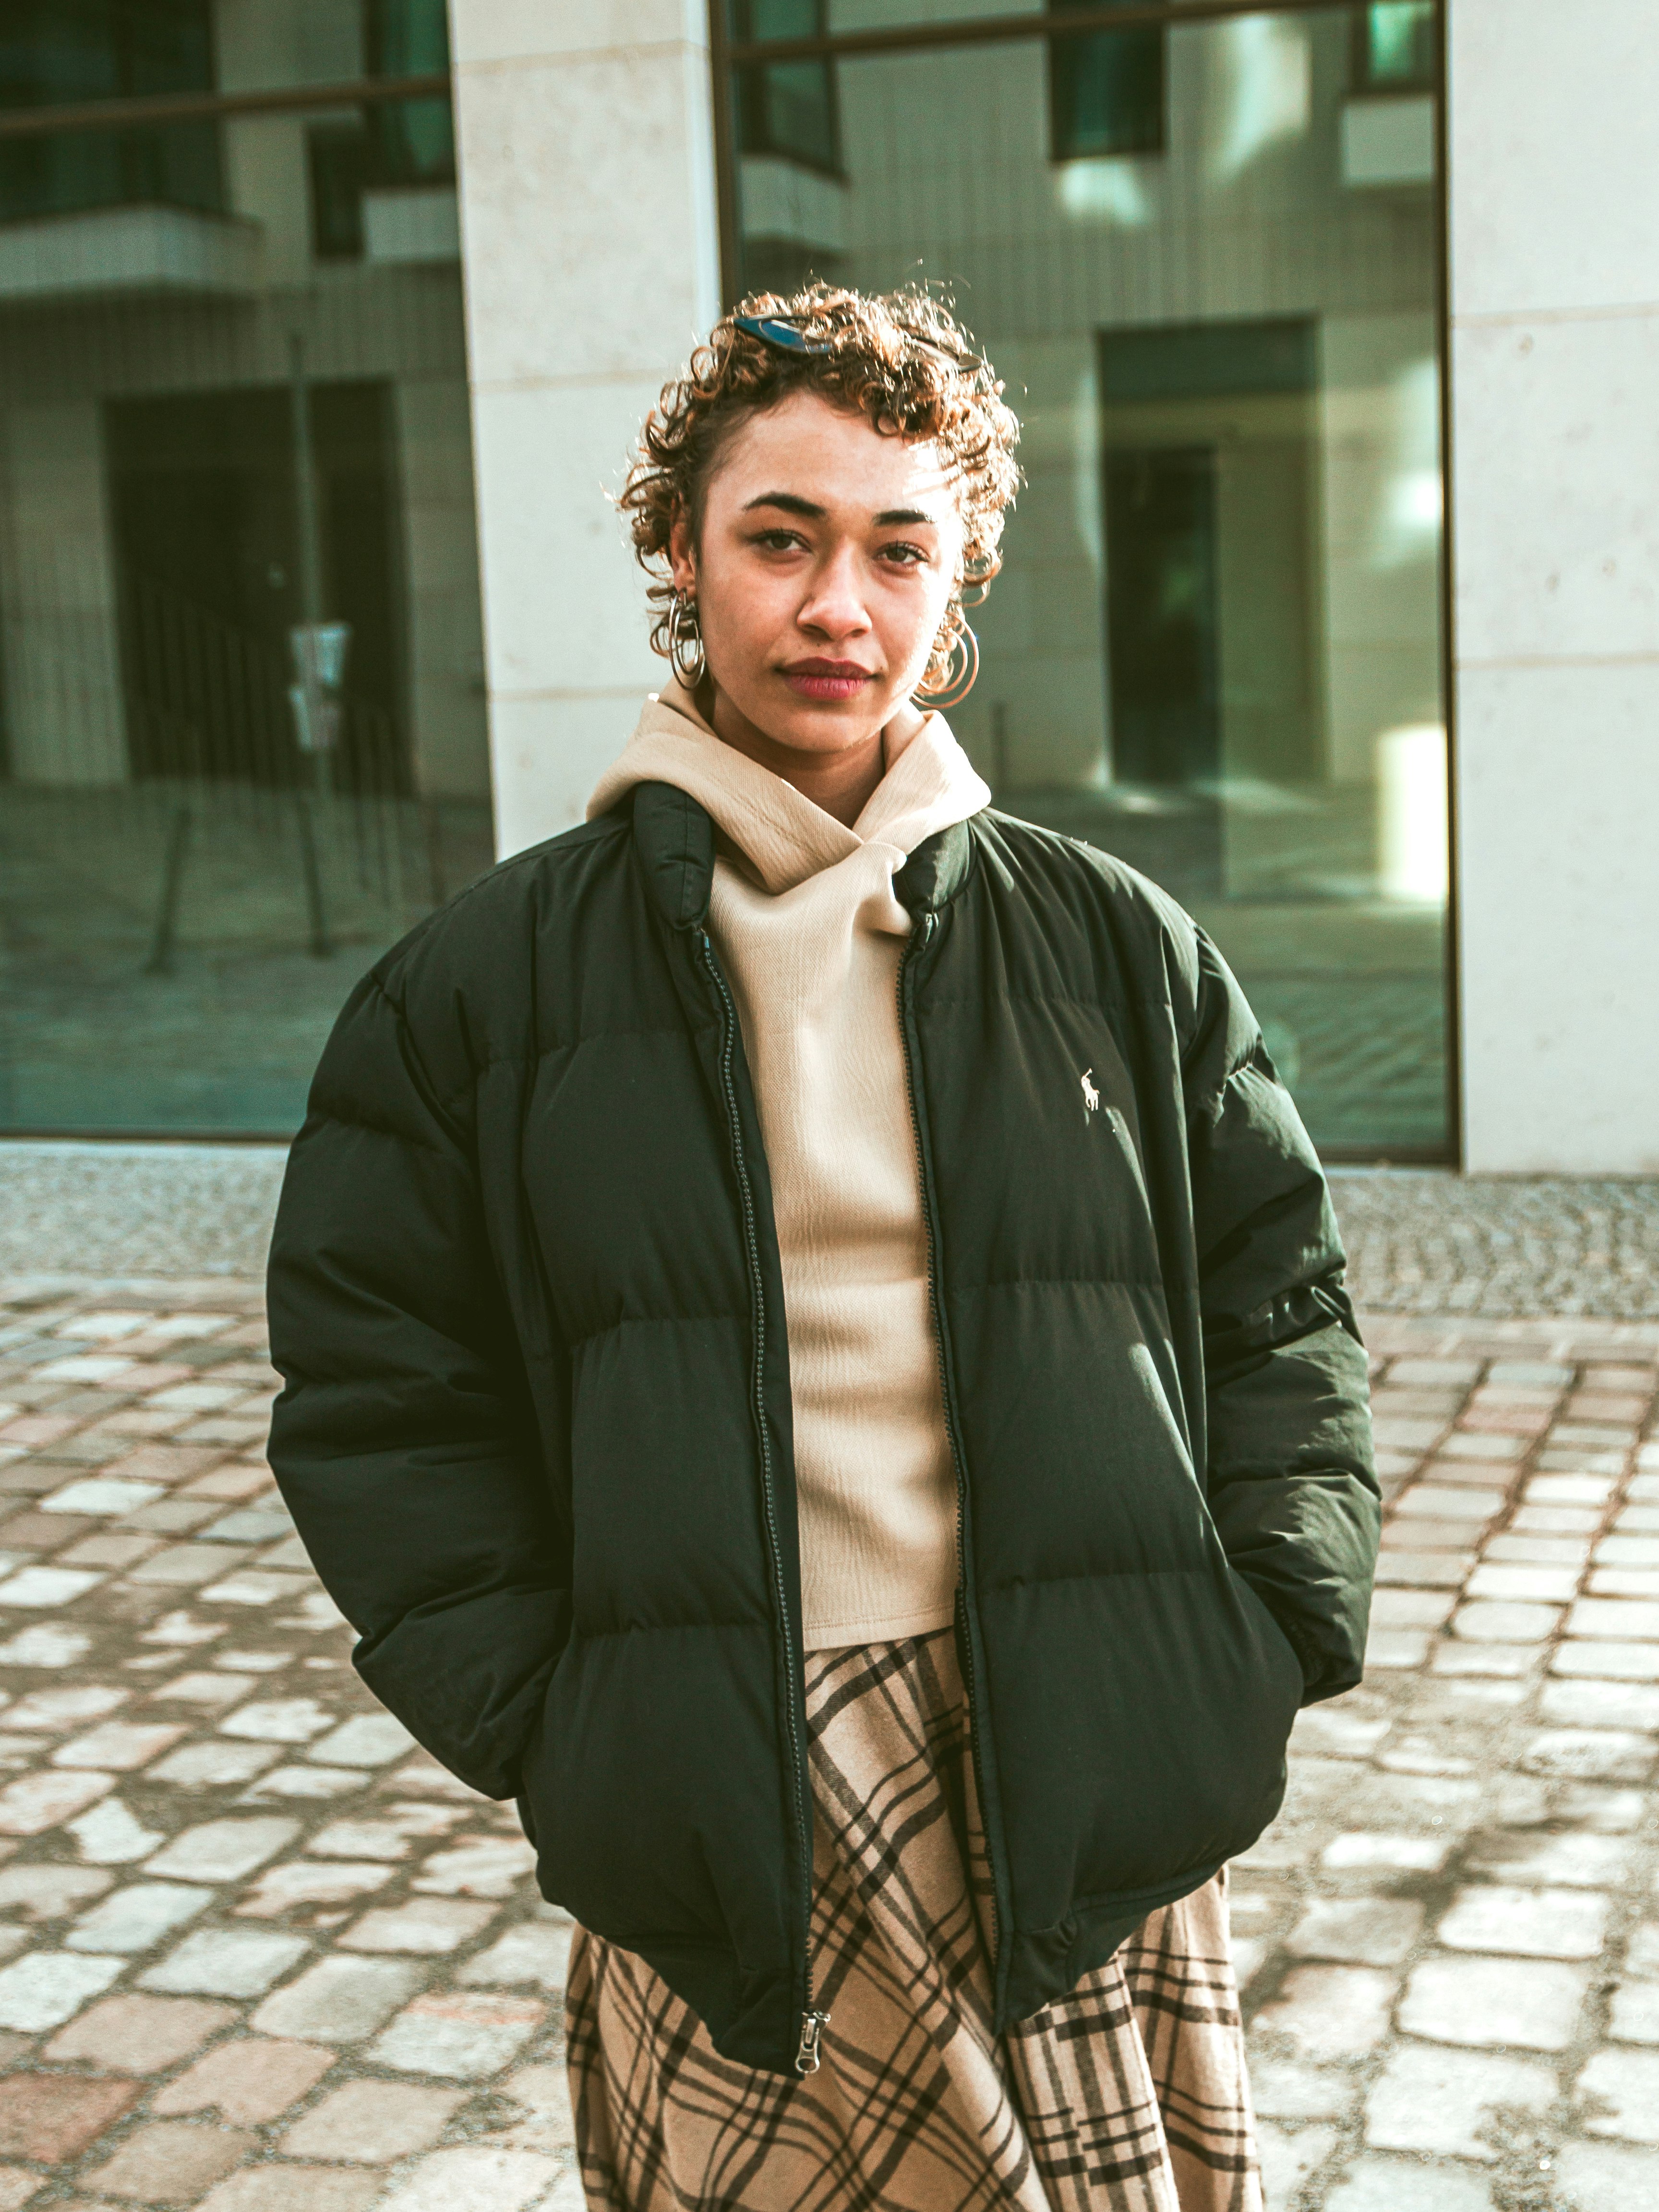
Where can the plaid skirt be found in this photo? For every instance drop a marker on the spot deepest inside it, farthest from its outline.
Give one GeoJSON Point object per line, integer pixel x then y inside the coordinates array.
{"type": "Point", "coordinates": [1131, 2093]}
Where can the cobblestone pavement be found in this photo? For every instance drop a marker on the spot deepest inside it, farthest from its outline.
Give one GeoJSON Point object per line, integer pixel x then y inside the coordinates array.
{"type": "Point", "coordinates": [1507, 1246]}
{"type": "Point", "coordinates": [258, 1954]}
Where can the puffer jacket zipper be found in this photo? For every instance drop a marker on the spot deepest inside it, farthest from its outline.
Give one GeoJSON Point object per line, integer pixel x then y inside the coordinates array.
{"type": "Point", "coordinates": [919, 939]}
{"type": "Point", "coordinates": [812, 2021]}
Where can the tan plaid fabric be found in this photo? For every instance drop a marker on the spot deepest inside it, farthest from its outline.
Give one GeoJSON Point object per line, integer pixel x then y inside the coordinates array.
{"type": "Point", "coordinates": [1130, 2094]}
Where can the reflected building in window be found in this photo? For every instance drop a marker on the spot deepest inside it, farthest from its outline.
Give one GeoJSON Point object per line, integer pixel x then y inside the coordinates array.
{"type": "Point", "coordinates": [244, 738]}
{"type": "Point", "coordinates": [1207, 257]}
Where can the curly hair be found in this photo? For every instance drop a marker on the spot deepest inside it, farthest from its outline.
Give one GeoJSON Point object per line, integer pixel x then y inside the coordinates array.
{"type": "Point", "coordinates": [900, 359]}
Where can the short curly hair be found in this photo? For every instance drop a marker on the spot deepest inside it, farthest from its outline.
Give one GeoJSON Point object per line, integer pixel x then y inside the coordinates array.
{"type": "Point", "coordinates": [901, 359]}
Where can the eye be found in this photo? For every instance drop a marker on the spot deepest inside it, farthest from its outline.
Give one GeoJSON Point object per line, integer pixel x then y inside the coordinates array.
{"type": "Point", "coordinates": [777, 541]}
{"type": "Point", "coordinates": [904, 555]}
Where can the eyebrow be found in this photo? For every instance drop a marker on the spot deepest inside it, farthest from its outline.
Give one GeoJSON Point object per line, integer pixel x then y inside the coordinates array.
{"type": "Point", "coordinates": [791, 503]}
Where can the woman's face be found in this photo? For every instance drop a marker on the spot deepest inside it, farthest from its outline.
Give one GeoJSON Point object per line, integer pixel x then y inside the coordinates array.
{"type": "Point", "coordinates": [821, 573]}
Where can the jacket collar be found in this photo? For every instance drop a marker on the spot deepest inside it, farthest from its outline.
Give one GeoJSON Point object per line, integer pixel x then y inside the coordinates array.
{"type": "Point", "coordinates": [674, 838]}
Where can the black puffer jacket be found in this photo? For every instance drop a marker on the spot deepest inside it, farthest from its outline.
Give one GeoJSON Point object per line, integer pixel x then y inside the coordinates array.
{"type": "Point", "coordinates": [525, 1292]}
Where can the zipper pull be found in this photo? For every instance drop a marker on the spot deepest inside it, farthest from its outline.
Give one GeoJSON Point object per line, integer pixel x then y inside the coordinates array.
{"type": "Point", "coordinates": [812, 2024]}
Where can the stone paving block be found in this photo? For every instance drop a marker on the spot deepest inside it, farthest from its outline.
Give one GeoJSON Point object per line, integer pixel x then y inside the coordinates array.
{"type": "Point", "coordinates": [340, 2000]}
{"type": "Point", "coordinates": [201, 1688]}
{"type": "Point", "coordinates": [1432, 2099]}
{"type": "Point", "coordinates": [373, 2122]}
{"type": "Point", "coordinates": [1440, 1502]}
{"type": "Point", "coordinates": [1569, 1490]}
{"type": "Point", "coordinates": [120, 1746]}
{"type": "Point", "coordinates": [475, 2178]}
{"type": "Point", "coordinates": [1397, 2185]}
{"type": "Point", "coordinates": [100, 1495]}
{"type": "Point", "coordinates": [226, 1963]}
{"type": "Point", "coordinates": [542, 2094]}
{"type": "Point", "coordinates": [1642, 1950]}
{"type": "Point", "coordinates": [1487, 2002]}
{"type": "Point", "coordinates": [426, 1924]}
{"type": "Point", "coordinates": [1592, 1754]}
{"type": "Point", "coordinates": [182, 1566]}
{"type": "Point", "coordinates": [366, 1740]}
{"type": "Point", "coordinates": [133, 2034]}
{"type": "Point", "coordinates": [1634, 2013]}
{"type": "Point", "coordinates": [109, 1835]}
{"type": "Point", "coordinates": [1507, 1582]}
{"type": "Point", "coordinates": [1624, 1582]}
{"type": "Point", "coordinates": [224, 1850]}
{"type": "Point", "coordinates": [250, 2081]}
{"type": "Point", "coordinates": [1369, 1931]}
{"type": "Point", "coordinates": [1576, 1524]}
{"type": "Point", "coordinates": [1488, 1621]}
{"type": "Point", "coordinates": [1412, 1609]}
{"type": "Point", "coordinates": [1628, 1551]}
{"type": "Point", "coordinates": [1395, 1648]}
{"type": "Point", "coordinates": [1613, 1662]}
{"type": "Point", "coordinates": [1598, 1704]}
{"type": "Point", "coordinates": [1367, 1851]}
{"type": "Point", "coordinates": [293, 2189]}
{"type": "Point", "coordinates": [107, 1552]}
{"type": "Point", "coordinates": [17, 2185]}
{"type": "Point", "coordinates": [491, 1868]}
{"type": "Point", "coordinates": [536, 1953]}
{"type": "Point", "coordinates": [315, 1782]}
{"type": "Point", "coordinates": [1574, 1860]}
{"type": "Point", "coordinates": [170, 2162]}
{"type": "Point", "coordinates": [43, 1989]}
{"type": "Point", "coordinates": [464, 2038]}
{"type": "Point", "coordinates": [302, 1881]}
{"type": "Point", "coordinates": [1331, 2012]}
{"type": "Point", "coordinates": [1423, 1570]}
{"type": "Point", "coordinates": [1604, 2177]}
{"type": "Point", "coordinates": [51, 2118]}
{"type": "Point", "coordinates": [47, 1586]}
{"type": "Point", "coordinates": [1503, 1661]}
{"type": "Point", "coordinates": [1290, 2155]}
{"type": "Point", "coordinates": [214, 1765]}
{"type": "Point", "coordinates": [46, 1891]}
{"type": "Point", "coordinates": [1531, 1924]}
{"type": "Point", "coordinates": [279, 1720]}
{"type": "Point", "coordinates": [1619, 2090]}
{"type": "Point", "coordinates": [138, 1916]}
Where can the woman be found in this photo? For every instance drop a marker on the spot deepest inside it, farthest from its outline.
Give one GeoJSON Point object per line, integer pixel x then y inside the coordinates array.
{"type": "Point", "coordinates": [816, 1359]}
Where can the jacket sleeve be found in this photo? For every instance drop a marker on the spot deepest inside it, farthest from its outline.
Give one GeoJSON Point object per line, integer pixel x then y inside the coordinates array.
{"type": "Point", "coordinates": [1291, 1486]}
{"type": "Point", "coordinates": [404, 1442]}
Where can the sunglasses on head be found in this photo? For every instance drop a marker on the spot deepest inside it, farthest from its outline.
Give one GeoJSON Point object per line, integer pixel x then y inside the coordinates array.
{"type": "Point", "coordinates": [784, 334]}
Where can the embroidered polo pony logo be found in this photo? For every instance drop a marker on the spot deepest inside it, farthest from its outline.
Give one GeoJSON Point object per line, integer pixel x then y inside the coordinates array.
{"type": "Point", "coordinates": [1091, 1095]}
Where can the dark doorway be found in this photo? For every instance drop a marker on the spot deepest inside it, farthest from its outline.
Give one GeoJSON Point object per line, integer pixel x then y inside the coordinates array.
{"type": "Point", "coordinates": [205, 518]}
{"type": "Point", "coordinates": [1161, 615]}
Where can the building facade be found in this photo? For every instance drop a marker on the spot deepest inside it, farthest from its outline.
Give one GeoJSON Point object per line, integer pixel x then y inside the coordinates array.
{"type": "Point", "coordinates": [1331, 597]}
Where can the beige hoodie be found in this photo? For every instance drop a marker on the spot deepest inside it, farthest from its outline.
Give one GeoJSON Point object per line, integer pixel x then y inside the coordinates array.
{"type": "Point", "coordinates": [809, 943]}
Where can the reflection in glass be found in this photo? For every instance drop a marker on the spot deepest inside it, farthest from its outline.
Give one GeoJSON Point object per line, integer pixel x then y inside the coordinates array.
{"type": "Point", "coordinates": [242, 745]}
{"type": "Point", "coordinates": [1214, 649]}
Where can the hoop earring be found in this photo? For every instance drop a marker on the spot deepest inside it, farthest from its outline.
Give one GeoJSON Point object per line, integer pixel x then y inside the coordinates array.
{"type": "Point", "coordinates": [958, 681]}
{"type": "Point", "coordinates": [686, 655]}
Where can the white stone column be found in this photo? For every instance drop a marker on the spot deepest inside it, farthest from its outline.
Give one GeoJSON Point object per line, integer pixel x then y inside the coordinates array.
{"type": "Point", "coordinates": [1554, 177]}
{"type": "Point", "coordinates": [589, 241]}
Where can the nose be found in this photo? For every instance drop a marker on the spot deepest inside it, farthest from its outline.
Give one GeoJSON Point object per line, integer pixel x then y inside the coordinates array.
{"type": "Point", "coordinates": [834, 607]}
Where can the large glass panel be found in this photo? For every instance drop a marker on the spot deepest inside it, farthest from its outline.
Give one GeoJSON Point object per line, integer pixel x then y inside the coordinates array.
{"type": "Point", "coordinates": [1215, 646]}
{"type": "Point", "coordinates": [242, 745]}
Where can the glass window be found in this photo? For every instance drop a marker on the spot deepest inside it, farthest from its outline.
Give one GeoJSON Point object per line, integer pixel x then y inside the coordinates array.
{"type": "Point", "coordinates": [242, 736]}
{"type": "Point", "coordinates": [1215, 646]}
{"type": "Point", "coordinates": [785, 109]}
{"type": "Point", "coordinates": [1105, 90]}
{"type": "Point", "coordinates": [53, 54]}
{"type": "Point", "coordinates": [1396, 45]}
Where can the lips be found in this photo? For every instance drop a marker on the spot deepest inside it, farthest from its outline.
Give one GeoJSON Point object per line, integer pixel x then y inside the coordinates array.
{"type": "Point", "coordinates": [827, 679]}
